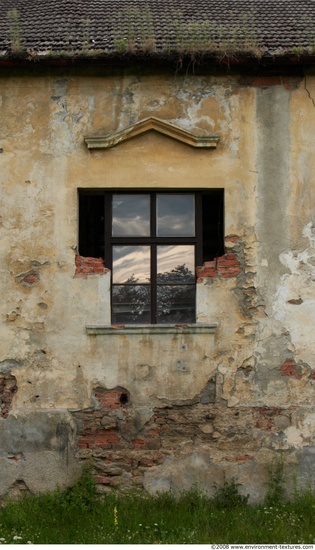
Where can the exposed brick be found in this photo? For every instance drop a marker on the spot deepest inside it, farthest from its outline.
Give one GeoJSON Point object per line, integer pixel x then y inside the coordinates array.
{"type": "Point", "coordinates": [97, 428]}
{"type": "Point", "coordinates": [231, 239]}
{"type": "Point", "coordinates": [138, 442]}
{"type": "Point", "coordinates": [288, 82]}
{"type": "Point", "coordinates": [263, 81]}
{"type": "Point", "coordinates": [291, 82]}
{"type": "Point", "coordinates": [29, 279]}
{"type": "Point", "coordinates": [230, 256]}
{"type": "Point", "coordinates": [86, 265]}
{"type": "Point", "coordinates": [102, 480]}
{"type": "Point", "coordinates": [269, 411]}
{"type": "Point", "coordinates": [8, 389]}
{"type": "Point", "coordinates": [226, 266]}
{"type": "Point", "coordinates": [243, 458]}
{"type": "Point", "coordinates": [230, 273]}
{"type": "Point", "coordinates": [118, 463]}
{"type": "Point", "coordinates": [290, 368]}
{"type": "Point", "coordinates": [227, 263]}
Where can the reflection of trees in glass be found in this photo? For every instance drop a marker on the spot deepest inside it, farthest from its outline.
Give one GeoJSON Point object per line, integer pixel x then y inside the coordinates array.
{"type": "Point", "coordinates": [179, 275]}
{"type": "Point", "coordinates": [136, 298]}
{"type": "Point", "coordinates": [175, 299]}
{"type": "Point", "coordinates": [175, 296]}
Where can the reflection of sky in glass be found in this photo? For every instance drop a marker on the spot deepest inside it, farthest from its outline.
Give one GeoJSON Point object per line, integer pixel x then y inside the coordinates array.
{"type": "Point", "coordinates": [131, 215]}
{"type": "Point", "coordinates": [134, 261]}
{"type": "Point", "coordinates": [175, 215]}
{"type": "Point", "coordinates": [169, 257]}
{"type": "Point", "coordinates": [131, 261]}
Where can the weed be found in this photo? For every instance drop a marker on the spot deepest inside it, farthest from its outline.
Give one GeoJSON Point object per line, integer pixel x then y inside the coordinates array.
{"type": "Point", "coordinates": [134, 32]}
{"type": "Point", "coordinates": [86, 35]}
{"type": "Point", "coordinates": [139, 33]}
{"type": "Point", "coordinates": [276, 492]}
{"type": "Point", "coordinates": [14, 27]}
{"type": "Point", "coordinates": [81, 496]}
{"type": "Point", "coordinates": [227, 496]}
{"type": "Point", "coordinates": [79, 516]}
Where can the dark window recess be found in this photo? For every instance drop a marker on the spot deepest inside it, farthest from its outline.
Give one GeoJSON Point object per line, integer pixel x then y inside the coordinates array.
{"type": "Point", "coordinates": [212, 225]}
{"type": "Point", "coordinates": [152, 243]}
{"type": "Point", "coordinates": [91, 225]}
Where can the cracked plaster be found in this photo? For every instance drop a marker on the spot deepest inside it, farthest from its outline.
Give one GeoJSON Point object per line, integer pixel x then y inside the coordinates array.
{"type": "Point", "coordinates": [264, 315]}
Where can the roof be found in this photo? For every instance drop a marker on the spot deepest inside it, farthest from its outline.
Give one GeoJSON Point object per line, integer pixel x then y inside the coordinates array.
{"type": "Point", "coordinates": [72, 29]}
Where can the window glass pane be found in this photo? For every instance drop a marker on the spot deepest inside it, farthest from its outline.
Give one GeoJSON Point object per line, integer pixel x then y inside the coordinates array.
{"type": "Point", "coordinates": [176, 304]}
{"type": "Point", "coordinates": [131, 304]}
{"type": "Point", "coordinates": [131, 216]}
{"type": "Point", "coordinates": [175, 215]}
{"type": "Point", "coordinates": [131, 264]}
{"type": "Point", "coordinates": [176, 264]}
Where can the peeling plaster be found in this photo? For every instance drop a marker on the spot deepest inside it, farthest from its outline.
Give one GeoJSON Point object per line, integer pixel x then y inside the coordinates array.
{"type": "Point", "coordinates": [201, 406]}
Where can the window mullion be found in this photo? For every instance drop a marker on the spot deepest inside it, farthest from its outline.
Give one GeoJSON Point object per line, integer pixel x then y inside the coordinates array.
{"type": "Point", "coordinates": [108, 230]}
{"type": "Point", "coordinates": [153, 215]}
{"type": "Point", "coordinates": [153, 249]}
{"type": "Point", "coordinates": [153, 284]}
{"type": "Point", "coordinates": [198, 222]}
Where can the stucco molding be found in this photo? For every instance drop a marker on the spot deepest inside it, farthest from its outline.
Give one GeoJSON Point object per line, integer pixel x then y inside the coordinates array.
{"type": "Point", "coordinates": [151, 329]}
{"type": "Point", "coordinates": [146, 125]}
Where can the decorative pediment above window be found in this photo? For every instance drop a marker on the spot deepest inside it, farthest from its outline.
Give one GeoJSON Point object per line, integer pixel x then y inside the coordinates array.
{"type": "Point", "coordinates": [146, 125]}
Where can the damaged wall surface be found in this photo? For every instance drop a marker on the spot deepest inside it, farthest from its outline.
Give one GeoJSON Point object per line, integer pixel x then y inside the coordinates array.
{"type": "Point", "coordinates": [149, 407]}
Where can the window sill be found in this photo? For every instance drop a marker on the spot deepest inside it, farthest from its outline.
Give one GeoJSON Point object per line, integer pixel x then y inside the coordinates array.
{"type": "Point", "coordinates": [151, 329]}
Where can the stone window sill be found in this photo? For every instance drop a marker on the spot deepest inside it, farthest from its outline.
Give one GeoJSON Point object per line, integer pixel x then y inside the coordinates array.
{"type": "Point", "coordinates": [151, 329]}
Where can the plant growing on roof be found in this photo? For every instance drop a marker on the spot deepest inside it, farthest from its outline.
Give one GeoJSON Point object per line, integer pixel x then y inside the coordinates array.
{"type": "Point", "coordinates": [86, 23]}
{"type": "Point", "coordinates": [138, 35]}
{"type": "Point", "coordinates": [14, 28]}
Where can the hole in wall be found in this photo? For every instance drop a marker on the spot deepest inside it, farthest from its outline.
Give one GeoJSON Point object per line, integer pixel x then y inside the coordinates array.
{"type": "Point", "coordinates": [124, 399]}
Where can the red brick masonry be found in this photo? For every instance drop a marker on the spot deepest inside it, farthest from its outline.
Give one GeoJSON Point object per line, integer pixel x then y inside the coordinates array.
{"type": "Point", "coordinates": [85, 266]}
{"type": "Point", "coordinates": [8, 388]}
{"type": "Point", "coordinates": [225, 266]}
{"type": "Point", "coordinates": [120, 450]}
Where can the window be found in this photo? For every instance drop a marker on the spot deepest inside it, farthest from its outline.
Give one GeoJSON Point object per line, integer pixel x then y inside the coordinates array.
{"type": "Point", "coordinates": [152, 242]}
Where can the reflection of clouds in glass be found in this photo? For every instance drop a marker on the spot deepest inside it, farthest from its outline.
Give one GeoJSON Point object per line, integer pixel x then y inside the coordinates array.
{"type": "Point", "coordinates": [131, 261]}
{"type": "Point", "coordinates": [175, 215]}
{"type": "Point", "coordinates": [131, 215]}
{"type": "Point", "coordinates": [169, 257]}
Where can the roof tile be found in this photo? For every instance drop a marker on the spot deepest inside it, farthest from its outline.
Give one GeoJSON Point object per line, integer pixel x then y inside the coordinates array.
{"type": "Point", "coordinates": [162, 27]}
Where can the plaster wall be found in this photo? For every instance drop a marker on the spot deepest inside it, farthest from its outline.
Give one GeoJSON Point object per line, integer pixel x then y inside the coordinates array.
{"type": "Point", "coordinates": [198, 406]}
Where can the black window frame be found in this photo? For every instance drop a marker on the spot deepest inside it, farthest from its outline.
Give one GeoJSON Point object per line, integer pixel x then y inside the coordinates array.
{"type": "Point", "coordinates": [202, 200]}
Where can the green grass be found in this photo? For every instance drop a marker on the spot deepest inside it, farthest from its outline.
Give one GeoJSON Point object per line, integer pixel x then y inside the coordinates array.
{"type": "Point", "coordinates": [78, 516]}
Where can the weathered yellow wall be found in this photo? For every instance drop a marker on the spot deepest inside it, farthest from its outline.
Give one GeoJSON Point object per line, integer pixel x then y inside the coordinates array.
{"type": "Point", "coordinates": [265, 316]}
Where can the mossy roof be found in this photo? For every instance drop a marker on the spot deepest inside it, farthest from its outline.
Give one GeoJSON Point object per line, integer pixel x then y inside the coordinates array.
{"type": "Point", "coordinates": [158, 29]}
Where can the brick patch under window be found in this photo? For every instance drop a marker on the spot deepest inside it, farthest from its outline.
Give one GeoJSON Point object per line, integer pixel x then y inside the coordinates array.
{"type": "Point", "coordinates": [8, 388]}
{"type": "Point", "coordinates": [85, 266]}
